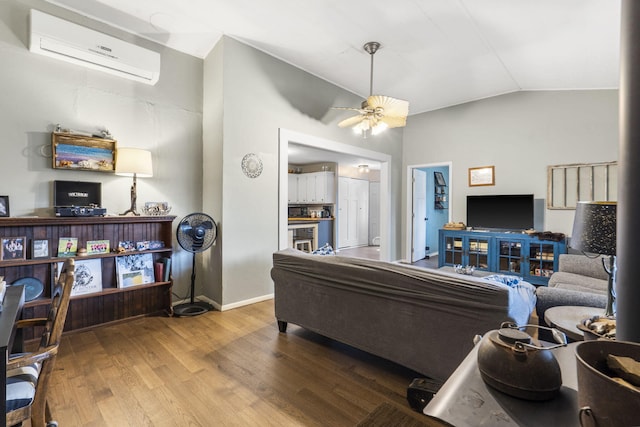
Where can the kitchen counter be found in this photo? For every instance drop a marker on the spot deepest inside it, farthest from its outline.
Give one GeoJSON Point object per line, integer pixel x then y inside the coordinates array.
{"type": "Point", "coordinates": [309, 219]}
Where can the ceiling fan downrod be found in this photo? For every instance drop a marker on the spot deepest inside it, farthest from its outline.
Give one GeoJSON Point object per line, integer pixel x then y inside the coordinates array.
{"type": "Point", "coordinates": [371, 48]}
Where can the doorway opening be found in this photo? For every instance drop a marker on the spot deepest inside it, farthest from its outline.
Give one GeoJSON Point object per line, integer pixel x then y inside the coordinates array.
{"type": "Point", "coordinates": [429, 206]}
{"type": "Point", "coordinates": [286, 137]}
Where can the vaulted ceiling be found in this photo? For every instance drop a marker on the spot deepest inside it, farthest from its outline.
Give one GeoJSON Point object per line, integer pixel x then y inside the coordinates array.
{"type": "Point", "coordinates": [435, 53]}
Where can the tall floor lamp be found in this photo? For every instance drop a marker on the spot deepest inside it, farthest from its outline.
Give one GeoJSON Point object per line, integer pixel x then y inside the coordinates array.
{"type": "Point", "coordinates": [594, 231]}
{"type": "Point", "coordinates": [136, 163]}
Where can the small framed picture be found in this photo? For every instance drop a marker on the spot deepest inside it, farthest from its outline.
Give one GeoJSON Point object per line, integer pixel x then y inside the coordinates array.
{"type": "Point", "coordinates": [439, 177]}
{"type": "Point", "coordinates": [484, 175]}
{"type": "Point", "coordinates": [132, 270]}
{"type": "Point", "coordinates": [156, 244]}
{"type": "Point", "coordinates": [126, 246]}
{"type": "Point", "coordinates": [40, 249]}
{"type": "Point", "coordinates": [67, 246]}
{"type": "Point", "coordinates": [13, 248]}
{"type": "Point", "coordinates": [4, 206]}
{"type": "Point", "coordinates": [97, 247]}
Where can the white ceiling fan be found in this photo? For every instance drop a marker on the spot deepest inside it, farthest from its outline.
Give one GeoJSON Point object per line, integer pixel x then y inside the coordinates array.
{"type": "Point", "coordinates": [377, 112]}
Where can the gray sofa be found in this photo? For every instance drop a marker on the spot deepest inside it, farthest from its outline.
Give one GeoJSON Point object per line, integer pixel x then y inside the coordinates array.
{"type": "Point", "coordinates": [580, 280]}
{"type": "Point", "coordinates": [420, 318]}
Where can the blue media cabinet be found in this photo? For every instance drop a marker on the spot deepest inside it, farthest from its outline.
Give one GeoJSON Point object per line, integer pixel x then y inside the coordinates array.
{"type": "Point", "coordinates": [501, 252]}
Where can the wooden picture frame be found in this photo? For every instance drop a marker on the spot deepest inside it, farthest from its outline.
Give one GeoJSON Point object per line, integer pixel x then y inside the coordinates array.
{"type": "Point", "coordinates": [40, 249]}
{"type": "Point", "coordinates": [4, 206]}
{"type": "Point", "coordinates": [13, 248]}
{"type": "Point", "coordinates": [483, 175]}
{"type": "Point", "coordinates": [80, 152]}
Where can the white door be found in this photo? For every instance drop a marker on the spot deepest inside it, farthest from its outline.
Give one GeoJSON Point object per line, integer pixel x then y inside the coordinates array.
{"type": "Point", "coordinates": [362, 221]}
{"type": "Point", "coordinates": [343, 212]}
{"type": "Point", "coordinates": [353, 212]}
{"type": "Point", "coordinates": [419, 215]}
{"type": "Point", "coordinates": [374, 213]}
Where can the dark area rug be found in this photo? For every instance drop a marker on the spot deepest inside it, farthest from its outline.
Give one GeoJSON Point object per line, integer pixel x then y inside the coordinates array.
{"type": "Point", "coordinates": [387, 415]}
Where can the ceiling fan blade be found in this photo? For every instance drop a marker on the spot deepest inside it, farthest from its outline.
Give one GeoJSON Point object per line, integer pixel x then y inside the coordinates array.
{"type": "Point", "coordinates": [394, 121]}
{"type": "Point", "coordinates": [359, 110]}
{"type": "Point", "coordinates": [390, 106]}
{"type": "Point", "coordinates": [353, 120]}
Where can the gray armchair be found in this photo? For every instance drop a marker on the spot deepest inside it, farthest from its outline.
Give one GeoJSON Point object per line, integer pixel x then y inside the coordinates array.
{"type": "Point", "coordinates": [580, 280]}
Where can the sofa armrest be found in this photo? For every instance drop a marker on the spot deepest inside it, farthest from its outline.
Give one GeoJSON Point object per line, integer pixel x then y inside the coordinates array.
{"type": "Point", "coordinates": [553, 297]}
{"type": "Point", "coordinates": [583, 265]}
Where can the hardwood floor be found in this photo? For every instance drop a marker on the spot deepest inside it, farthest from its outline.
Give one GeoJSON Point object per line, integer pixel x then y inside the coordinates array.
{"type": "Point", "coordinates": [229, 368]}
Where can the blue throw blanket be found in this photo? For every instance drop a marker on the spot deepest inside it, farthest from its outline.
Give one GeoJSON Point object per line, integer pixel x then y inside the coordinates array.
{"type": "Point", "coordinates": [525, 289]}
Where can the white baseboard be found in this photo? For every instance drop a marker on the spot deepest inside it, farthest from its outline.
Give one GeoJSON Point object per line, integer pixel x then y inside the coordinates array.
{"type": "Point", "coordinates": [231, 306]}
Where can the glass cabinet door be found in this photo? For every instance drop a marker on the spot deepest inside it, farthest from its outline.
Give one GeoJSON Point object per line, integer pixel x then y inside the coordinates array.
{"type": "Point", "coordinates": [453, 250]}
{"type": "Point", "coordinates": [541, 259]}
{"type": "Point", "coordinates": [477, 253]}
{"type": "Point", "coordinates": [510, 256]}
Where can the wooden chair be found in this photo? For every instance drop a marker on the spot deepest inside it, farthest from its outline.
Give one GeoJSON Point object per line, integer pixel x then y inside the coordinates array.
{"type": "Point", "coordinates": [28, 374]}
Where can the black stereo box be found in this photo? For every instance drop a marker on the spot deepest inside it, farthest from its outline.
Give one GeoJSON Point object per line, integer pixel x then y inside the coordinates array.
{"type": "Point", "coordinates": [78, 198]}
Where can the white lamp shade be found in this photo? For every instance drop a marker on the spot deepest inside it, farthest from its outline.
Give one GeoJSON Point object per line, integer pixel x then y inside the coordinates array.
{"type": "Point", "coordinates": [131, 161]}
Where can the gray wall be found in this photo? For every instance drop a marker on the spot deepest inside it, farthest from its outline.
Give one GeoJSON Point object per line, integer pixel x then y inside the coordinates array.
{"type": "Point", "coordinates": [521, 134]}
{"type": "Point", "coordinates": [261, 95]}
{"type": "Point", "coordinates": [38, 92]}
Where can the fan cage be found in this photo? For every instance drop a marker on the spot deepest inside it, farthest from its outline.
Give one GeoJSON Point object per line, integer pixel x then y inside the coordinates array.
{"type": "Point", "coordinates": [196, 223]}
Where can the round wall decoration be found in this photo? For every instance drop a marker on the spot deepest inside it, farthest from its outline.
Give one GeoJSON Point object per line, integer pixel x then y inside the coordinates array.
{"type": "Point", "coordinates": [252, 165]}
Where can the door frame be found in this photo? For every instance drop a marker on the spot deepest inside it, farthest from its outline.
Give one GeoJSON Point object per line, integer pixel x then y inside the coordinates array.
{"type": "Point", "coordinates": [409, 200]}
{"type": "Point", "coordinates": [287, 136]}
{"type": "Point", "coordinates": [415, 218]}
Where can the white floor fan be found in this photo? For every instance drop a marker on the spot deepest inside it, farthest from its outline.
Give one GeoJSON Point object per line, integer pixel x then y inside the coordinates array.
{"type": "Point", "coordinates": [196, 233]}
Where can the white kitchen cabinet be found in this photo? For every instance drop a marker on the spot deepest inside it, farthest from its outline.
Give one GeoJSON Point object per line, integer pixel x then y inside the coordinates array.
{"type": "Point", "coordinates": [293, 188]}
{"type": "Point", "coordinates": [314, 187]}
{"type": "Point", "coordinates": [303, 179]}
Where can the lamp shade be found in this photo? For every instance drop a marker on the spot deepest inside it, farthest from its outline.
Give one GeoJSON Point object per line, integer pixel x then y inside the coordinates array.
{"type": "Point", "coordinates": [594, 228]}
{"type": "Point", "coordinates": [131, 161]}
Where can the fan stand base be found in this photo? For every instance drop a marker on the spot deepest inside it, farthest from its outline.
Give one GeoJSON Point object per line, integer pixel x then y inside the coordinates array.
{"type": "Point", "coordinates": [191, 309]}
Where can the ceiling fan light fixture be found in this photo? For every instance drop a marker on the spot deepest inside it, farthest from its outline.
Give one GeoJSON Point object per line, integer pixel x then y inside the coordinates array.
{"type": "Point", "coordinates": [379, 128]}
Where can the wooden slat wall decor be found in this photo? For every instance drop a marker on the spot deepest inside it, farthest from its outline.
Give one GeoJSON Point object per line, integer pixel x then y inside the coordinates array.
{"type": "Point", "coordinates": [112, 304]}
{"type": "Point", "coordinates": [568, 184]}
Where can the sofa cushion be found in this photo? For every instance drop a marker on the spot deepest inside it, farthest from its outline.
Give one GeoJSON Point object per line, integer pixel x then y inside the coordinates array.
{"type": "Point", "coordinates": [583, 265]}
{"type": "Point", "coordinates": [578, 282]}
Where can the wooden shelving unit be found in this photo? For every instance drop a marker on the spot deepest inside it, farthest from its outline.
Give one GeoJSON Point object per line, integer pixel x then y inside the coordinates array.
{"type": "Point", "coordinates": [112, 304]}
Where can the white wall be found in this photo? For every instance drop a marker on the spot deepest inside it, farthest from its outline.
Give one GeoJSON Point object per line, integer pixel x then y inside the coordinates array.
{"type": "Point", "coordinates": [38, 92]}
{"type": "Point", "coordinates": [262, 95]}
{"type": "Point", "coordinates": [521, 134]}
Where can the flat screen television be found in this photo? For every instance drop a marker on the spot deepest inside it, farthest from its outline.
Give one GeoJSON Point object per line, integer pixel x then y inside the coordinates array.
{"type": "Point", "coordinates": [502, 212]}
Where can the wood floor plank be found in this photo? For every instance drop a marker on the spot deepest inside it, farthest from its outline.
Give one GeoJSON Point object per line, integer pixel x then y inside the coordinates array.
{"type": "Point", "coordinates": [229, 368]}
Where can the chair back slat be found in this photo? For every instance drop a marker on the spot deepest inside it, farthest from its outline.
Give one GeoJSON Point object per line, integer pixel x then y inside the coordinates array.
{"type": "Point", "coordinates": [59, 304]}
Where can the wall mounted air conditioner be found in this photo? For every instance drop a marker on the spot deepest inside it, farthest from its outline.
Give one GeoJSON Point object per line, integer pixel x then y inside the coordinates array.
{"type": "Point", "coordinates": [70, 42]}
